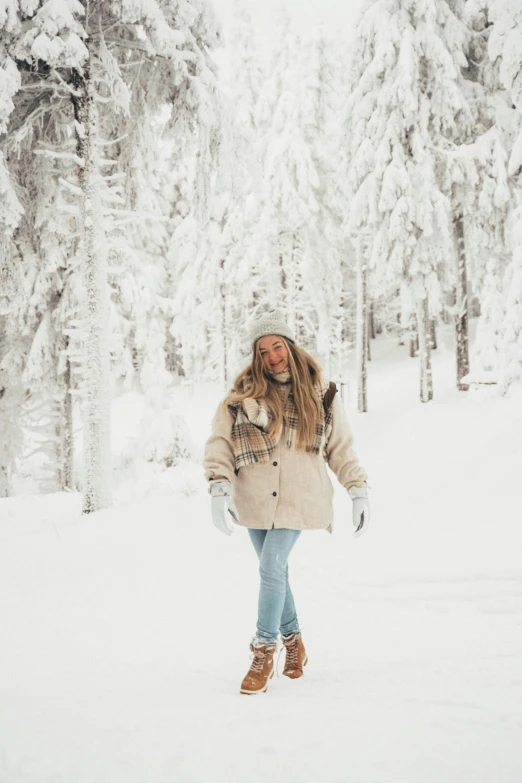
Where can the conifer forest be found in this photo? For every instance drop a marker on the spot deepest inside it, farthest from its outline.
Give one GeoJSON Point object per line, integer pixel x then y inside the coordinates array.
{"type": "Point", "coordinates": [369, 182]}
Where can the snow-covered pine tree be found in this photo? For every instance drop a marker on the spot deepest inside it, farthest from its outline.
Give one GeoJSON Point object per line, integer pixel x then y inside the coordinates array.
{"type": "Point", "coordinates": [361, 338]}
{"type": "Point", "coordinates": [486, 224]}
{"type": "Point", "coordinates": [274, 242]}
{"type": "Point", "coordinates": [291, 181]}
{"type": "Point", "coordinates": [11, 392]}
{"type": "Point", "coordinates": [488, 338]}
{"type": "Point", "coordinates": [217, 259]}
{"type": "Point", "coordinates": [328, 253]}
{"type": "Point", "coordinates": [406, 106]}
{"type": "Point", "coordinates": [474, 173]}
{"type": "Point", "coordinates": [505, 43]}
{"type": "Point", "coordinates": [241, 251]}
{"type": "Point", "coordinates": [10, 207]}
{"type": "Point", "coordinates": [246, 74]}
{"type": "Point", "coordinates": [209, 290]}
{"type": "Point", "coordinates": [202, 297]}
{"type": "Point", "coordinates": [119, 58]}
{"type": "Point", "coordinates": [242, 268]}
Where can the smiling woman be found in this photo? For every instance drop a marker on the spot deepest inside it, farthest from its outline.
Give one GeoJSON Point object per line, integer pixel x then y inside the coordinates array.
{"type": "Point", "coordinates": [265, 461]}
{"type": "Point", "coordinates": [273, 353]}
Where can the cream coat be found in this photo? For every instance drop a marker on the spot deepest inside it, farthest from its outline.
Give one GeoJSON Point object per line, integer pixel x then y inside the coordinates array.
{"type": "Point", "coordinates": [293, 490]}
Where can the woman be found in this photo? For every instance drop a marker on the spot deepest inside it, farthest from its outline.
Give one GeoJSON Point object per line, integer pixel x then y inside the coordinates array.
{"type": "Point", "coordinates": [266, 464]}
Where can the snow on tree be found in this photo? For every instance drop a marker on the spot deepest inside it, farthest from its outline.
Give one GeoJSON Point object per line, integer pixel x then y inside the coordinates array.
{"type": "Point", "coordinates": [10, 207]}
{"type": "Point", "coordinates": [207, 290]}
{"type": "Point", "coordinates": [511, 350]}
{"type": "Point", "coordinates": [291, 180]}
{"type": "Point", "coordinates": [299, 237]}
{"type": "Point", "coordinates": [474, 175]}
{"type": "Point", "coordinates": [127, 58]}
{"type": "Point", "coordinates": [406, 107]}
{"type": "Point", "coordinates": [488, 337]}
{"type": "Point", "coordinates": [217, 260]}
{"type": "Point", "coordinates": [275, 230]}
{"type": "Point", "coordinates": [505, 44]}
{"type": "Point", "coordinates": [328, 248]}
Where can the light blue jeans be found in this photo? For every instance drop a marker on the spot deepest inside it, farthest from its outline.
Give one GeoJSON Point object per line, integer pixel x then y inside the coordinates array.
{"type": "Point", "coordinates": [276, 609]}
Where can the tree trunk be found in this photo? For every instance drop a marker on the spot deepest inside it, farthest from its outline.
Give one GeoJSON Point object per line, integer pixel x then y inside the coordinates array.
{"type": "Point", "coordinates": [433, 332]}
{"type": "Point", "coordinates": [4, 475]}
{"type": "Point", "coordinates": [368, 340]}
{"type": "Point", "coordinates": [361, 329]}
{"type": "Point", "coordinates": [224, 366]}
{"type": "Point", "coordinates": [282, 272]}
{"type": "Point", "coordinates": [337, 347]}
{"type": "Point", "coordinates": [65, 433]}
{"type": "Point", "coordinates": [461, 321]}
{"type": "Point", "coordinates": [292, 289]}
{"type": "Point", "coordinates": [96, 367]}
{"type": "Point", "coordinates": [371, 317]}
{"type": "Point", "coordinates": [426, 380]}
{"type": "Point", "coordinates": [4, 482]}
{"type": "Point", "coordinates": [414, 337]}
{"type": "Point", "coordinates": [400, 330]}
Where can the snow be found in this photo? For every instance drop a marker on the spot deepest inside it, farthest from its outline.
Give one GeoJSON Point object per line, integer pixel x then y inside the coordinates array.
{"type": "Point", "coordinates": [125, 633]}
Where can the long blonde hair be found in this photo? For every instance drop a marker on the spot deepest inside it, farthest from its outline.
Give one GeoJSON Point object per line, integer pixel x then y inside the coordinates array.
{"type": "Point", "coordinates": [254, 381]}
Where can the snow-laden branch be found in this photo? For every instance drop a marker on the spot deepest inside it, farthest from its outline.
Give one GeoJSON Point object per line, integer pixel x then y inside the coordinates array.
{"type": "Point", "coordinates": [113, 198]}
{"type": "Point", "coordinates": [103, 143]}
{"type": "Point", "coordinates": [47, 153]}
{"type": "Point", "coordinates": [113, 177]}
{"type": "Point", "coordinates": [133, 214]}
{"type": "Point", "coordinates": [182, 54]}
{"type": "Point", "coordinates": [70, 187]}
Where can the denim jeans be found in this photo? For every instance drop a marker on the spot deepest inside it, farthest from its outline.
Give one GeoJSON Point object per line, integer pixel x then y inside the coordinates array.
{"type": "Point", "coordinates": [276, 610]}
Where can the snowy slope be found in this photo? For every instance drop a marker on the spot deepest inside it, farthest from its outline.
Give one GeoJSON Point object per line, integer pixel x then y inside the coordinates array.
{"type": "Point", "coordinates": [125, 635]}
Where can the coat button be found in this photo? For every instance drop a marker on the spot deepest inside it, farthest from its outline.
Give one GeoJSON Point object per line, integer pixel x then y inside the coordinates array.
{"type": "Point", "coordinates": [274, 464]}
{"type": "Point", "coordinates": [274, 493]}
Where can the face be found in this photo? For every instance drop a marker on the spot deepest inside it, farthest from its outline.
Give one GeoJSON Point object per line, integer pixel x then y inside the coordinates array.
{"type": "Point", "coordinates": [274, 353]}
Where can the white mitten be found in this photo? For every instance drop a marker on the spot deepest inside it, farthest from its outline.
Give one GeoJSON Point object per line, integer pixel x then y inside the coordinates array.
{"type": "Point", "coordinates": [222, 505]}
{"type": "Point", "coordinates": [361, 509]}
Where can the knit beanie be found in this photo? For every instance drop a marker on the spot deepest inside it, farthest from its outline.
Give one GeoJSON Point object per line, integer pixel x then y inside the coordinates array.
{"type": "Point", "coordinates": [270, 322]}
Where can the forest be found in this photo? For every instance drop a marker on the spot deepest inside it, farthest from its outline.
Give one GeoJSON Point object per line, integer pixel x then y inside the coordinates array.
{"type": "Point", "coordinates": [368, 182]}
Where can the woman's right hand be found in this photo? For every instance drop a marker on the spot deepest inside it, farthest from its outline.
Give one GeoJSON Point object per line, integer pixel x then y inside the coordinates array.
{"type": "Point", "coordinates": [222, 505]}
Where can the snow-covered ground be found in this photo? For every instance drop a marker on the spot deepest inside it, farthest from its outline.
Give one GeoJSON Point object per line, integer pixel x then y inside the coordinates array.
{"type": "Point", "coordinates": [124, 636]}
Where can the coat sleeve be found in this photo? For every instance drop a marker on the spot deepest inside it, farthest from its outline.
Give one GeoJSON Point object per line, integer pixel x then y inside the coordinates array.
{"type": "Point", "coordinates": [218, 461]}
{"type": "Point", "coordinates": [342, 458]}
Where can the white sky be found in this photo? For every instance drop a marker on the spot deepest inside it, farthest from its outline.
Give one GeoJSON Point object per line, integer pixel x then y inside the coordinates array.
{"type": "Point", "coordinates": [335, 14]}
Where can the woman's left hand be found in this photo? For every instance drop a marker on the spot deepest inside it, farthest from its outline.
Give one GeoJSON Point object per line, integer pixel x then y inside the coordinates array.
{"type": "Point", "coordinates": [361, 509]}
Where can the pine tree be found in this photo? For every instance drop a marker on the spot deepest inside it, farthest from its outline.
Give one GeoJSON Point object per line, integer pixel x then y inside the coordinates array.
{"type": "Point", "coordinates": [506, 43]}
{"type": "Point", "coordinates": [475, 176]}
{"type": "Point", "coordinates": [406, 107]}
{"type": "Point", "coordinates": [328, 248]}
{"type": "Point", "coordinates": [291, 180]}
{"type": "Point", "coordinates": [104, 68]}
{"type": "Point", "coordinates": [488, 337]}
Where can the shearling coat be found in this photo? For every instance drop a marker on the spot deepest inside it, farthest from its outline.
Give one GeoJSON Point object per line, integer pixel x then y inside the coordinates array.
{"type": "Point", "coordinates": [293, 490]}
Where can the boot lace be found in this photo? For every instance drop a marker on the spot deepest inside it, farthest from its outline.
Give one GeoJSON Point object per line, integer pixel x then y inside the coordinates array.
{"type": "Point", "coordinates": [258, 658]}
{"type": "Point", "coordinates": [292, 653]}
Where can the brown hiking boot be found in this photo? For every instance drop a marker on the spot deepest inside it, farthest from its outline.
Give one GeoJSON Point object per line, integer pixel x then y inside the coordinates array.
{"type": "Point", "coordinates": [296, 657]}
{"type": "Point", "coordinates": [261, 669]}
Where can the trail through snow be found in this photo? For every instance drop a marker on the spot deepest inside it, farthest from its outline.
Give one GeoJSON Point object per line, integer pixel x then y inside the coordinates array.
{"type": "Point", "coordinates": [124, 636]}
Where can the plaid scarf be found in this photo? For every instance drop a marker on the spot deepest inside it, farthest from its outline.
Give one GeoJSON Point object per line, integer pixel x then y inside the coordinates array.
{"type": "Point", "coordinates": [251, 440]}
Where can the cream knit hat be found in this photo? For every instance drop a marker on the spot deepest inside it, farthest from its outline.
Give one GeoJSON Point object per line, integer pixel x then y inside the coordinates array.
{"type": "Point", "coordinates": [270, 322]}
